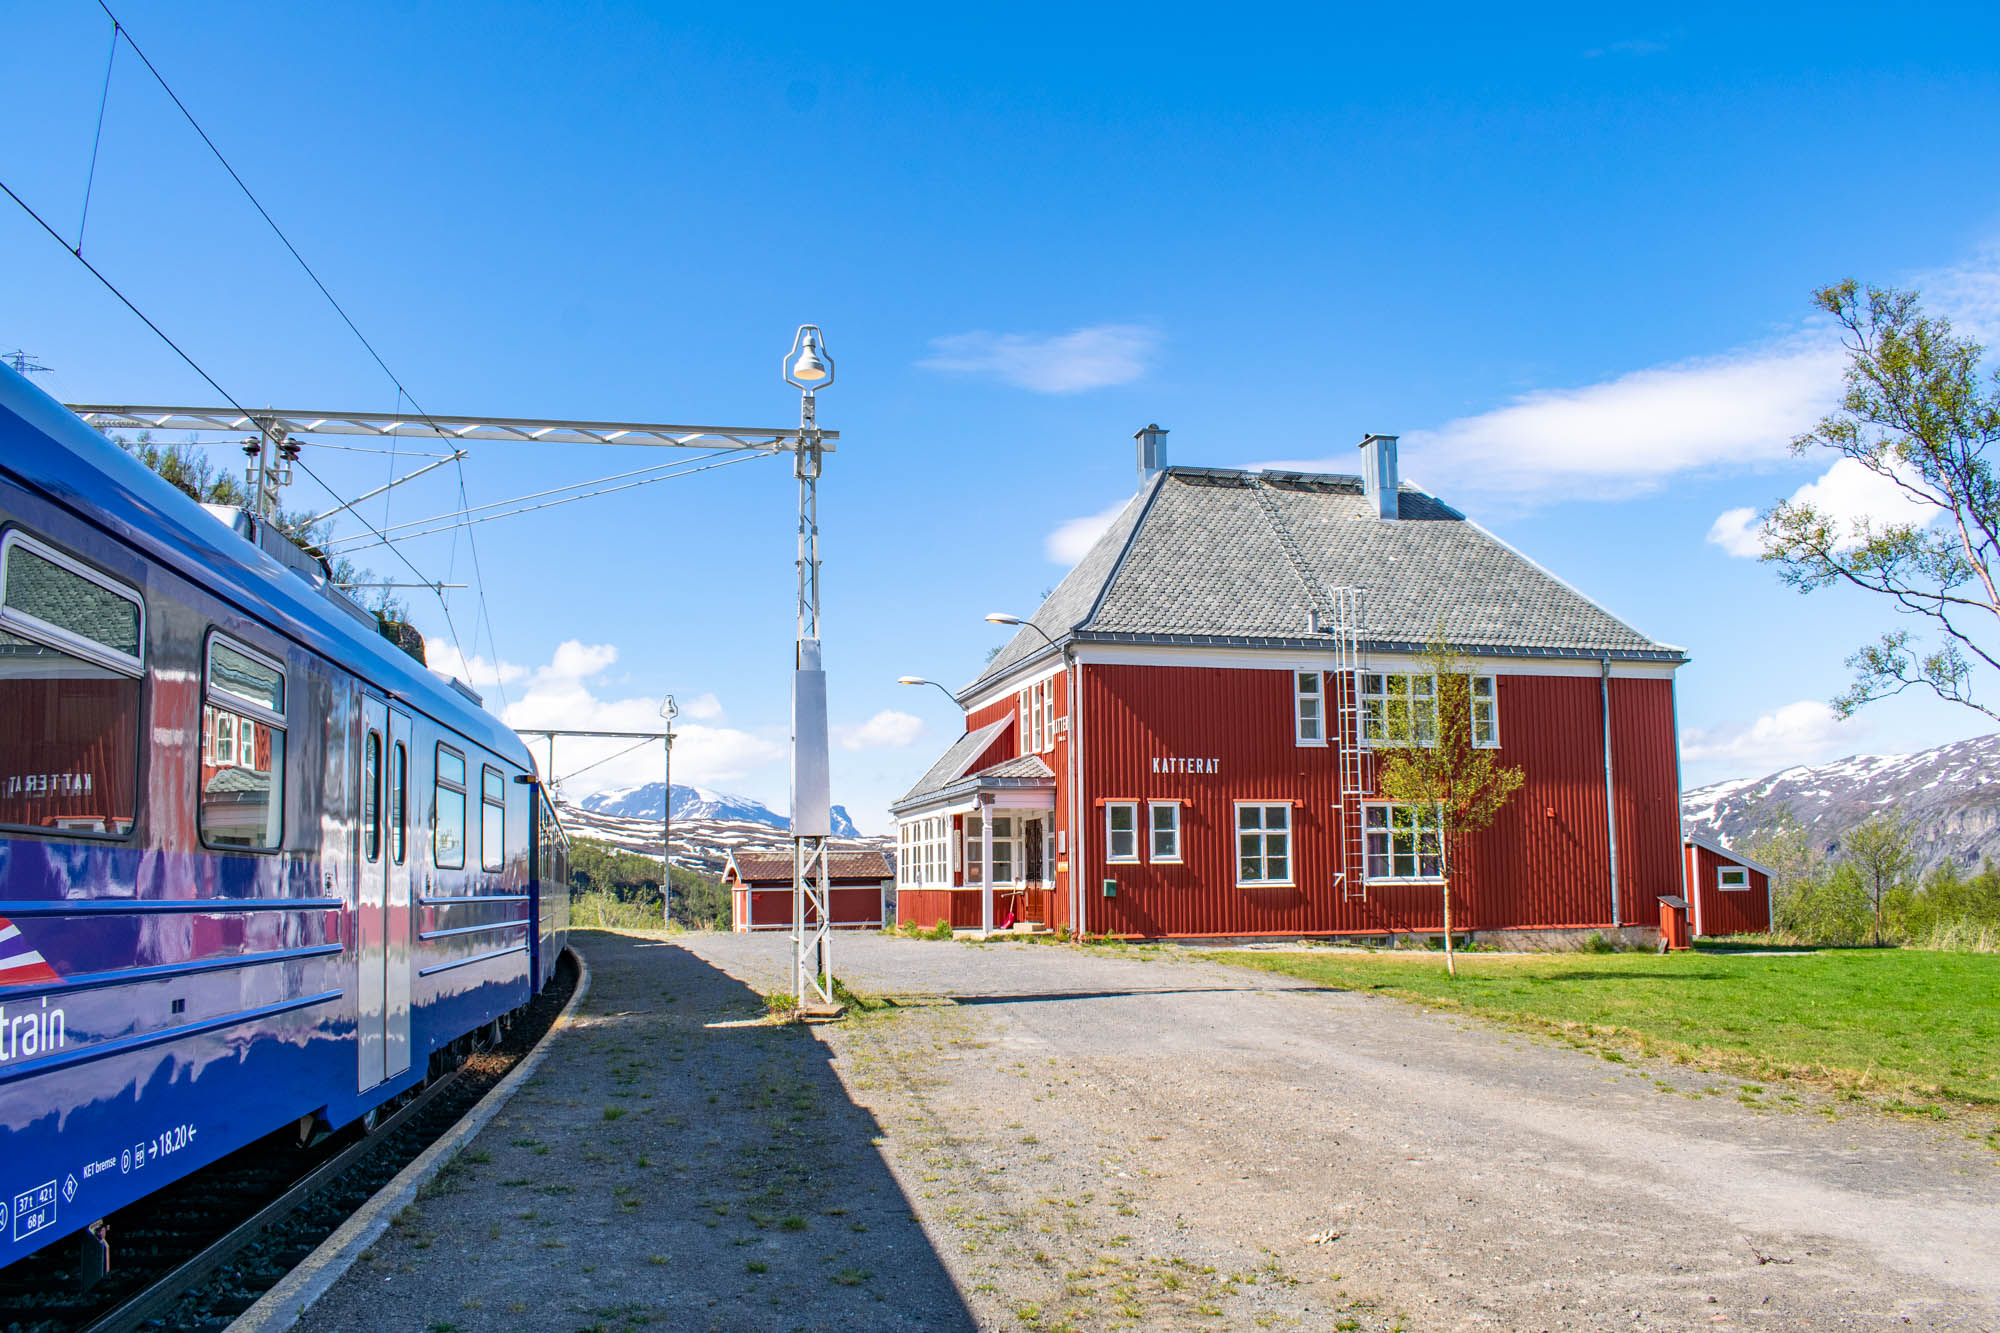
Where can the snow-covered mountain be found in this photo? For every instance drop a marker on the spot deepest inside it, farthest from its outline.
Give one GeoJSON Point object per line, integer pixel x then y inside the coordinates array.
{"type": "Point", "coordinates": [643, 802]}
{"type": "Point", "coordinates": [1950, 795]}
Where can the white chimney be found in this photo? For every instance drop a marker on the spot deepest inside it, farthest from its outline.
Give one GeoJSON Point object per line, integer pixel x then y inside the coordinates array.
{"type": "Point", "coordinates": [1152, 453]}
{"type": "Point", "coordinates": [1378, 474]}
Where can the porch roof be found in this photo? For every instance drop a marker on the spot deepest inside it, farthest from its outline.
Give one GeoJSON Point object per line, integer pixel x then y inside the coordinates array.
{"type": "Point", "coordinates": [1022, 775]}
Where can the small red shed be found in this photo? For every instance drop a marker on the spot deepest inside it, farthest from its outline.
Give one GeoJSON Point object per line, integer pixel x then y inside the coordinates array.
{"type": "Point", "coordinates": [760, 889]}
{"type": "Point", "coordinates": [1727, 892]}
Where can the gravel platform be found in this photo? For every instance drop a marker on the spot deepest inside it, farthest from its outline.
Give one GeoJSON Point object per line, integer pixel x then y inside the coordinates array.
{"type": "Point", "coordinates": [1041, 1137]}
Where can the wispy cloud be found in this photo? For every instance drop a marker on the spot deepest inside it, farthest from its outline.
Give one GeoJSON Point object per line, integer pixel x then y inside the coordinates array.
{"type": "Point", "coordinates": [887, 730]}
{"type": "Point", "coordinates": [1072, 539]}
{"type": "Point", "coordinates": [565, 693]}
{"type": "Point", "coordinates": [1086, 358]}
{"type": "Point", "coordinates": [1805, 732]}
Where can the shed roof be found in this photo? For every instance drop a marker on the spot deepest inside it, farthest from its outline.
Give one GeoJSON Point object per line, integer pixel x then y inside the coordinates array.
{"type": "Point", "coordinates": [776, 867]}
{"type": "Point", "coordinates": [1201, 555]}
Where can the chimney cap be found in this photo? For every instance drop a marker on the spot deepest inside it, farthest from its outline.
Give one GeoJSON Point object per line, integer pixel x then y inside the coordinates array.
{"type": "Point", "coordinates": [1374, 436]}
{"type": "Point", "coordinates": [1154, 429]}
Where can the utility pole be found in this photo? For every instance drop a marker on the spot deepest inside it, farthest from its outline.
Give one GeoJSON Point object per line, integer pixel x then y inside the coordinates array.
{"type": "Point", "coordinates": [808, 369]}
{"type": "Point", "coordinates": [668, 710]}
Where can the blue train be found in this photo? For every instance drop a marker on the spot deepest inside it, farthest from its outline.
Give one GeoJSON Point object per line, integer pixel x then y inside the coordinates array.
{"type": "Point", "coordinates": [258, 866]}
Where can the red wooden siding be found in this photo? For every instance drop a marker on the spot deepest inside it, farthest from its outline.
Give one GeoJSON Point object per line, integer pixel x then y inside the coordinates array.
{"type": "Point", "coordinates": [1008, 745]}
{"type": "Point", "coordinates": [1727, 911]}
{"type": "Point", "coordinates": [1544, 864]}
{"type": "Point", "coordinates": [854, 908]}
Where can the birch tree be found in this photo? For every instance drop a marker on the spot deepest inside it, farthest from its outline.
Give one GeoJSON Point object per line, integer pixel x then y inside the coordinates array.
{"type": "Point", "coordinates": [1427, 760]}
{"type": "Point", "coordinates": [1919, 412]}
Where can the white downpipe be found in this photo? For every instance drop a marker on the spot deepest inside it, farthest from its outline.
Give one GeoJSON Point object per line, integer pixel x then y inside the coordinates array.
{"type": "Point", "coordinates": [986, 864]}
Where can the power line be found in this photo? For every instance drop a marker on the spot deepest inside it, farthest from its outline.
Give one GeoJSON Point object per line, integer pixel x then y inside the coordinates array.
{"type": "Point", "coordinates": [118, 29]}
{"type": "Point", "coordinates": [349, 545]}
{"type": "Point", "coordinates": [607, 759]}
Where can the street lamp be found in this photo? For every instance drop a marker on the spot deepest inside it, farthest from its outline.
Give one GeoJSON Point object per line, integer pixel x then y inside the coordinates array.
{"type": "Point", "coordinates": [668, 710]}
{"type": "Point", "coordinates": [808, 368]}
{"type": "Point", "coordinates": [1002, 618]}
{"type": "Point", "coordinates": [919, 680]}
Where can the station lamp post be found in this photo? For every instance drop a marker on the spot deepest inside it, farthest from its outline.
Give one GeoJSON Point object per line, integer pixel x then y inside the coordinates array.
{"type": "Point", "coordinates": [808, 368]}
{"type": "Point", "coordinates": [921, 680]}
{"type": "Point", "coordinates": [669, 710]}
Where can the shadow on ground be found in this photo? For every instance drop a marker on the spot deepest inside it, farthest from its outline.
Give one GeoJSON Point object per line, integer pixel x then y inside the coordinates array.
{"type": "Point", "coordinates": [789, 1216]}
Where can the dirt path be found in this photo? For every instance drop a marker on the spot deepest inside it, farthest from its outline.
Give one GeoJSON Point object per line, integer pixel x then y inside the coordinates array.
{"type": "Point", "coordinates": [1097, 1141]}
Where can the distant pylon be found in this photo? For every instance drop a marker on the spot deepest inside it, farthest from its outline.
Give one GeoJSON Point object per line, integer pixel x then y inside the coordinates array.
{"type": "Point", "coordinates": [26, 365]}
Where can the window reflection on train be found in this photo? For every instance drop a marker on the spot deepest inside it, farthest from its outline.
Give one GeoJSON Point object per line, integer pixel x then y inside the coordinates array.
{"type": "Point", "coordinates": [69, 696]}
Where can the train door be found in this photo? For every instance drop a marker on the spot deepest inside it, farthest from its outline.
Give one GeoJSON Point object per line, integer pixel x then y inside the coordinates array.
{"type": "Point", "coordinates": [382, 901]}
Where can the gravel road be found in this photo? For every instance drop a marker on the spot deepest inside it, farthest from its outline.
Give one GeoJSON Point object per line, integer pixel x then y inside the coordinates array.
{"type": "Point", "coordinates": [1044, 1138]}
{"type": "Point", "coordinates": [1098, 1141]}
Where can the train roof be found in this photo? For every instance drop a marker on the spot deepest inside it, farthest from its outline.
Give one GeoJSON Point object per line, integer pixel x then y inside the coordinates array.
{"type": "Point", "coordinates": [50, 449]}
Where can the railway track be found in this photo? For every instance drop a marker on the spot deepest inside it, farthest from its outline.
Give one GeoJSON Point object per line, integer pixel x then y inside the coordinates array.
{"type": "Point", "coordinates": [197, 1254]}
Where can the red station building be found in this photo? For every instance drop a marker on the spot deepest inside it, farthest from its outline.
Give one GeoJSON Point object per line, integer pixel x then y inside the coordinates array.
{"type": "Point", "coordinates": [1180, 742]}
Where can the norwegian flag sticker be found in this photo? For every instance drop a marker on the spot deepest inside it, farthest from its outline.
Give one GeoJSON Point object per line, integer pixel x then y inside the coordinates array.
{"type": "Point", "coordinates": [20, 963]}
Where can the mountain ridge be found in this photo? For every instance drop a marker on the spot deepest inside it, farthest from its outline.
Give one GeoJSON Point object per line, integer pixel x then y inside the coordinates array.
{"type": "Point", "coordinates": [696, 802]}
{"type": "Point", "coordinates": [1950, 794]}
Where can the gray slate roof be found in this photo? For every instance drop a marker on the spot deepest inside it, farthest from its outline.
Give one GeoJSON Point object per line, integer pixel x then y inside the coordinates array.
{"type": "Point", "coordinates": [951, 766]}
{"type": "Point", "coordinates": [1196, 557]}
{"type": "Point", "coordinates": [1022, 771]}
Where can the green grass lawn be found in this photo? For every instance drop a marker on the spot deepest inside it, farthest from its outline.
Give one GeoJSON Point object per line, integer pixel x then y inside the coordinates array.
{"type": "Point", "coordinates": [1889, 1024]}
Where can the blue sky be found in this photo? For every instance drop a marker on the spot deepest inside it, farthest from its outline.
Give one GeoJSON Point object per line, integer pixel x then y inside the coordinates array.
{"type": "Point", "coordinates": [1567, 258]}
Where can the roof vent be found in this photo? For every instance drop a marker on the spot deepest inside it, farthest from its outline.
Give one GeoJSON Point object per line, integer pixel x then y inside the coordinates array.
{"type": "Point", "coordinates": [1152, 453]}
{"type": "Point", "coordinates": [1378, 474]}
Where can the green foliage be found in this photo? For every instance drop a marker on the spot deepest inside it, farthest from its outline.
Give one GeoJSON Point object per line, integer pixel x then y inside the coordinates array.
{"type": "Point", "coordinates": [628, 886]}
{"type": "Point", "coordinates": [1431, 762]}
{"type": "Point", "coordinates": [1883, 1022]}
{"type": "Point", "coordinates": [1879, 850]}
{"type": "Point", "coordinates": [1918, 412]}
{"type": "Point", "coordinates": [1830, 907]}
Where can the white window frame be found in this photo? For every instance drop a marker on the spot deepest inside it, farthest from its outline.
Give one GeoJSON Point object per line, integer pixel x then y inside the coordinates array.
{"type": "Point", "coordinates": [1264, 833]}
{"type": "Point", "coordinates": [1154, 809]}
{"type": "Point", "coordinates": [1317, 697]}
{"type": "Point", "coordinates": [1369, 726]}
{"type": "Point", "coordinates": [1425, 818]}
{"type": "Point", "coordinates": [1049, 715]}
{"type": "Point", "coordinates": [1722, 883]}
{"type": "Point", "coordinates": [1131, 808]}
{"type": "Point", "coordinates": [56, 636]}
{"type": "Point", "coordinates": [1491, 699]}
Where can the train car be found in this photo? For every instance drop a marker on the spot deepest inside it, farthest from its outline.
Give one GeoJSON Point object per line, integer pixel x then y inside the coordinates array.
{"type": "Point", "coordinates": [258, 866]}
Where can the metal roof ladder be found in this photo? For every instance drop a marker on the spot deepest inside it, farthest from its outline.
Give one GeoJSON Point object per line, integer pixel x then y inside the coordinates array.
{"type": "Point", "coordinates": [1345, 697]}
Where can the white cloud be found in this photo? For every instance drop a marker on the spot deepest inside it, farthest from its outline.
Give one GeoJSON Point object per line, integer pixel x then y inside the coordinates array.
{"type": "Point", "coordinates": [887, 730]}
{"type": "Point", "coordinates": [562, 695]}
{"type": "Point", "coordinates": [703, 706]}
{"type": "Point", "coordinates": [1848, 492]}
{"type": "Point", "coordinates": [1087, 358]}
{"type": "Point", "coordinates": [1071, 540]}
{"type": "Point", "coordinates": [1805, 732]}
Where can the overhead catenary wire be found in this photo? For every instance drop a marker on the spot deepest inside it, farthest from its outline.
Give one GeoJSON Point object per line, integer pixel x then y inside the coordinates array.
{"type": "Point", "coordinates": [463, 515]}
{"type": "Point", "coordinates": [118, 30]}
{"type": "Point", "coordinates": [207, 378]}
{"type": "Point", "coordinates": [608, 758]}
{"type": "Point", "coordinates": [349, 545]}
{"type": "Point", "coordinates": [97, 138]}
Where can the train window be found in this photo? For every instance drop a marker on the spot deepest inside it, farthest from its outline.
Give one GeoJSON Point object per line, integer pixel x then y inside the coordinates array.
{"type": "Point", "coordinates": [70, 666]}
{"type": "Point", "coordinates": [492, 820]}
{"type": "Point", "coordinates": [68, 605]}
{"type": "Point", "coordinates": [448, 839]}
{"type": "Point", "coordinates": [243, 752]}
{"type": "Point", "coordinates": [399, 800]}
{"type": "Point", "coordinates": [371, 796]}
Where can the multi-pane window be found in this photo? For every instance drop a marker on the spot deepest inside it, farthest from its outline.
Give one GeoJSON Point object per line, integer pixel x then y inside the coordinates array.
{"type": "Point", "coordinates": [1263, 843]}
{"type": "Point", "coordinates": [243, 771]}
{"type": "Point", "coordinates": [1003, 849]}
{"type": "Point", "coordinates": [1038, 718]}
{"type": "Point", "coordinates": [1403, 842]}
{"type": "Point", "coordinates": [1309, 711]}
{"type": "Point", "coordinates": [924, 849]}
{"type": "Point", "coordinates": [1048, 715]}
{"type": "Point", "coordinates": [492, 819]}
{"type": "Point", "coordinates": [448, 837]}
{"type": "Point", "coordinates": [1165, 817]}
{"type": "Point", "coordinates": [1121, 830]}
{"type": "Point", "coordinates": [70, 662]}
{"type": "Point", "coordinates": [1398, 708]}
{"type": "Point", "coordinates": [1485, 714]}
